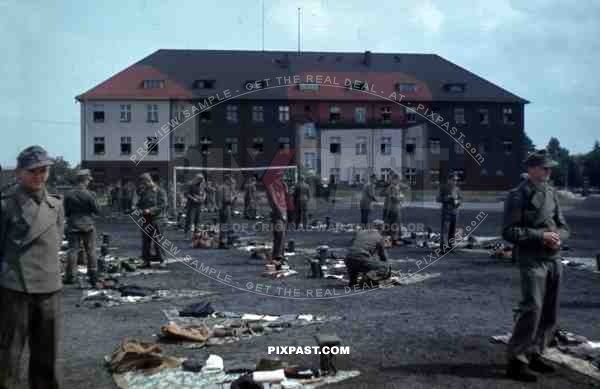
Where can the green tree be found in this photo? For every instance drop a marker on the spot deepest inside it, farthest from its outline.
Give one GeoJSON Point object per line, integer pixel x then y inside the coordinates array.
{"type": "Point", "coordinates": [591, 165]}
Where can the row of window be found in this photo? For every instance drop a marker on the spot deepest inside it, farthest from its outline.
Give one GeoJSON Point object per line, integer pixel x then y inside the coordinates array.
{"type": "Point", "coordinates": [126, 141]}
{"type": "Point", "coordinates": [335, 114]}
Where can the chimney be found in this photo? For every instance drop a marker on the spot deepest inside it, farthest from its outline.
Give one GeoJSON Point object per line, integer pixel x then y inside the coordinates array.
{"type": "Point", "coordinates": [367, 58]}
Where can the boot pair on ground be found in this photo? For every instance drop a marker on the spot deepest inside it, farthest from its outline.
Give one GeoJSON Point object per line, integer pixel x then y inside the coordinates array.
{"type": "Point", "coordinates": [521, 371]}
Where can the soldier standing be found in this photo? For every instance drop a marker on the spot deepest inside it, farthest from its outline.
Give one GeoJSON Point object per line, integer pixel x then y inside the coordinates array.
{"type": "Point", "coordinates": [451, 200]}
{"type": "Point", "coordinates": [80, 208]}
{"type": "Point", "coordinates": [211, 194]}
{"type": "Point", "coordinates": [195, 195]}
{"type": "Point", "coordinates": [226, 200]}
{"type": "Point", "coordinates": [31, 230]}
{"type": "Point", "coordinates": [152, 201]}
{"type": "Point", "coordinates": [301, 199]}
{"type": "Point", "coordinates": [533, 221]}
{"type": "Point", "coordinates": [279, 201]}
{"type": "Point", "coordinates": [394, 202]}
{"type": "Point", "coordinates": [368, 196]}
{"type": "Point", "coordinates": [365, 245]}
{"type": "Point", "coordinates": [250, 199]}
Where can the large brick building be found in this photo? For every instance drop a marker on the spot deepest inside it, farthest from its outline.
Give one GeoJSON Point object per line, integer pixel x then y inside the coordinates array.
{"type": "Point", "coordinates": [340, 114]}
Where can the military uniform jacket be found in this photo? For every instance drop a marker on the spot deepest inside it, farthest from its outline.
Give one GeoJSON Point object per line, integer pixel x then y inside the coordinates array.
{"type": "Point", "coordinates": [366, 244]}
{"type": "Point", "coordinates": [529, 211]}
{"type": "Point", "coordinates": [30, 238]}
{"type": "Point", "coordinates": [154, 199]}
{"type": "Point", "coordinates": [195, 194]}
{"type": "Point", "coordinates": [302, 193]}
{"type": "Point", "coordinates": [226, 195]}
{"type": "Point", "coordinates": [450, 199]}
{"type": "Point", "coordinates": [279, 200]}
{"type": "Point", "coordinates": [80, 207]}
{"type": "Point", "coordinates": [368, 196]}
{"type": "Point", "coordinates": [393, 198]}
{"type": "Point", "coordinates": [250, 195]}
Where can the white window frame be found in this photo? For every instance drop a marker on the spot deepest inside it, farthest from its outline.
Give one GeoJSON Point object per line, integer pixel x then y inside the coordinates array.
{"type": "Point", "coordinates": [386, 173]}
{"type": "Point", "coordinates": [259, 140]}
{"type": "Point", "coordinates": [360, 115]}
{"type": "Point", "coordinates": [411, 140]}
{"type": "Point", "coordinates": [411, 114]}
{"type": "Point", "coordinates": [126, 140]}
{"type": "Point", "coordinates": [205, 141]}
{"type": "Point", "coordinates": [434, 175]}
{"type": "Point", "coordinates": [504, 144]}
{"type": "Point", "coordinates": [335, 109]}
{"type": "Point", "coordinates": [410, 174]}
{"type": "Point", "coordinates": [179, 111]}
{"type": "Point", "coordinates": [459, 115]}
{"type": "Point", "coordinates": [258, 113]}
{"type": "Point", "coordinates": [361, 145]}
{"type": "Point", "coordinates": [335, 140]}
{"type": "Point", "coordinates": [152, 113]}
{"type": "Point", "coordinates": [508, 111]}
{"type": "Point", "coordinates": [310, 131]}
{"type": "Point", "coordinates": [308, 87]}
{"type": "Point", "coordinates": [458, 149]}
{"type": "Point", "coordinates": [386, 145]}
{"type": "Point", "coordinates": [125, 113]}
{"type": "Point", "coordinates": [232, 145]}
{"type": "Point", "coordinates": [310, 160]}
{"type": "Point", "coordinates": [152, 140]}
{"type": "Point", "coordinates": [387, 110]}
{"type": "Point", "coordinates": [435, 145]}
{"type": "Point", "coordinates": [407, 87]}
{"type": "Point", "coordinates": [179, 140]}
{"type": "Point", "coordinates": [99, 140]}
{"type": "Point", "coordinates": [486, 112]}
{"type": "Point", "coordinates": [232, 113]}
{"type": "Point", "coordinates": [283, 113]}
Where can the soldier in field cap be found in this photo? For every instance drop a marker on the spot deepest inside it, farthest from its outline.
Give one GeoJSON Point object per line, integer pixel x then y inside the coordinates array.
{"type": "Point", "coordinates": [534, 223]}
{"type": "Point", "coordinates": [31, 230]}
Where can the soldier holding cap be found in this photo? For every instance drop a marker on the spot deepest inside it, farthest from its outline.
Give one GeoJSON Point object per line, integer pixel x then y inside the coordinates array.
{"type": "Point", "coordinates": [533, 222]}
{"type": "Point", "coordinates": [31, 232]}
{"type": "Point", "coordinates": [451, 200]}
{"type": "Point", "coordinates": [226, 199]}
{"type": "Point", "coordinates": [195, 195]}
{"type": "Point", "coordinates": [152, 202]}
{"type": "Point", "coordinates": [80, 209]}
{"type": "Point", "coordinates": [367, 197]}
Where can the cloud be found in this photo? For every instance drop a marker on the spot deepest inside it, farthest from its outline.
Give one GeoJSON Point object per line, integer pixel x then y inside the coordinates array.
{"type": "Point", "coordinates": [428, 16]}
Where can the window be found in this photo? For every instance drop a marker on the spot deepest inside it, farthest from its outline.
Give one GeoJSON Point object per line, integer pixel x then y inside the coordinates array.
{"type": "Point", "coordinates": [434, 145]}
{"type": "Point", "coordinates": [310, 130]}
{"type": "Point", "coordinates": [411, 144]}
{"type": "Point", "coordinates": [179, 112]}
{"type": "Point", "coordinates": [360, 115]}
{"type": "Point", "coordinates": [507, 146]}
{"type": "Point", "coordinates": [386, 115]}
{"type": "Point", "coordinates": [308, 87]}
{"type": "Point", "coordinates": [485, 146]}
{"type": "Point", "coordinates": [98, 113]}
{"type": "Point", "coordinates": [507, 115]}
{"type": "Point", "coordinates": [284, 143]}
{"type": "Point", "coordinates": [284, 113]}
{"type": "Point", "coordinates": [154, 84]}
{"type": "Point", "coordinates": [408, 87]}
{"type": "Point", "coordinates": [411, 114]}
{"type": "Point", "coordinates": [205, 116]}
{"type": "Point", "coordinates": [458, 148]}
{"type": "Point", "coordinates": [484, 116]}
{"type": "Point", "coordinates": [152, 145]}
{"type": "Point", "coordinates": [410, 174]}
{"type": "Point", "coordinates": [361, 145]}
{"type": "Point", "coordinates": [152, 113]}
{"type": "Point", "coordinates": [258, 113]}
{"type": "Point", "coordinates": [258, 145]}
{"type": "Point", "coordinates": [460, 173]}
{"type": "Point", "coordinates": [205, 143]}
{"type": "Point", "coordinates": [232, 113]}
{"type": "Point", "coordinates": [99, 145]}
{"type": "Point", "coordinates": [310, 160]}
{"type": "Point", "coordinates": [459, 115]}
{"type": "Point", "coordinates": [204, 84]}
{"type": "Point", "coordinates": [179, 144]}
{"type": "Point", "coordinates": [335, 146]}
{"type": "Point", "coordinates": [386, 146]}
{"type": "Point", "coordinates": [386, 173]}
{"type": "Point", "coordinates": [434, 175]}
{"type": "Point", "coordinates": [125, 145]}
{"type": "Point", "coordinates": [125, 113]}
{"type": "Point", "coordinates": [231, 145]}
{"type": "Point", "coordinates": [334, 114]}
{"type": "Point", "coordinates": [334, 172]}
{"type": "Point", "coordinates": [455, 88]}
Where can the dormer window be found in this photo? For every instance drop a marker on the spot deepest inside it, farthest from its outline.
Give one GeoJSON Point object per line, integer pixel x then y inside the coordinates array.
{"type": "Point", "coordinates": [154, 84]}
{"type": "Point", "coordinates": [308, 87]}
{"type": "Point", "coordinates": [204, 84]}
{"type": "Point", "coordinates": [406, 87]}
{"type": "Point", "coordinates": [455, 88]}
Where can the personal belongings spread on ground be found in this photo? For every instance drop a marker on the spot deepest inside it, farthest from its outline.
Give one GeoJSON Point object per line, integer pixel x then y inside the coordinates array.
{"type": "Point", "coordinates": [228, 327]}
{"type": "Point", "coordinates": [582, 263]}
{"type": "Point", "coordinates": [569, 350]}
{"type": "Point", "coordinates": [398, 279]}
{"type": "Point", "coordinates": [141, 357]}
{"type": "Point", "coordinates": [134, 294]}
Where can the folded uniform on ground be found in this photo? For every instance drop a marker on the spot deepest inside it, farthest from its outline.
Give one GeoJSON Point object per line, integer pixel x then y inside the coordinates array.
{"type": "Point", "coordinates": [134, 355]}
{"type": "Point", "coordinates": [195, 334]}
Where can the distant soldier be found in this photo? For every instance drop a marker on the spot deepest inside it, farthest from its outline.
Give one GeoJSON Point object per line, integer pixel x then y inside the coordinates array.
{"type": "Point", "coordinates": [277, 192]}
{"type": "Point", "coordinates": [211, 195]}
{"type": "Point", "coordinates": [367, 197]}
{"type": "Point", "coordinates": [31, 300]}
{"type": "Point", "coordinates": [360, 260]}
{"type": "Point", "coordinates": [80, 209]}
{"type": "Point", "coordinates": [195, 195]}
{"type": "Point", "coordinates": [152, 201]}
{"type": "Point", "coordinates": [301, 199]}
{"type": "Point", "coordinates": [226, 200]}
{"type": "Point", "coordinates": [393, 202]}
{"type": "Point", "coordinates": [250, 199]}
{"type": "Point", "coordinates": [451, 199]}
{"type": "Point", "coordinates": [331, 189]}
{"type": "Point", "coordinates": [533, 221]}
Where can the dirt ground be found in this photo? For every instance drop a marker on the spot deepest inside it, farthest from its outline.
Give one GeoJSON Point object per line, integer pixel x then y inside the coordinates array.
{"type": "Point", "coordinates": [433, 334]}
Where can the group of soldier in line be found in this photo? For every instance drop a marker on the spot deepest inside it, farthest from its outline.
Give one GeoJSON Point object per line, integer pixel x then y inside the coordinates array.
{"type": "Point", "coordinates": [32, 226]}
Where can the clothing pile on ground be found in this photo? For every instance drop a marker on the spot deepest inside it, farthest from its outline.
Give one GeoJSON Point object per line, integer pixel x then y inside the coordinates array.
{"type": "Point", "coordinates": [115, 294]}
{"type": "Point", "coordinates": [399, 279]}
{"type": "Point", "coordinates": [582, 263]}
{"type": "Point", "coordinates": [567, 349]}
{"type": "Point", "coordinates": [199, 323]}
{"type": "Point", "coordinates": [168, 372]}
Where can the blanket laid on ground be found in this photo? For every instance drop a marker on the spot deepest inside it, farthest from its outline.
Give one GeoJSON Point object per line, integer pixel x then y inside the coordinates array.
{"type": "Point", "coordinates": [113, 297]}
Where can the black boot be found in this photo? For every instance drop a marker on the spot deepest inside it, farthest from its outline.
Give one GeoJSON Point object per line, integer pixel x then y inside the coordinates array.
{"type": "Point", "coordinates": [519, 371]}
{"type": "Point", "coordinates": [93, 278]}
{"type": "Point", "coordinates": [536, 364]}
